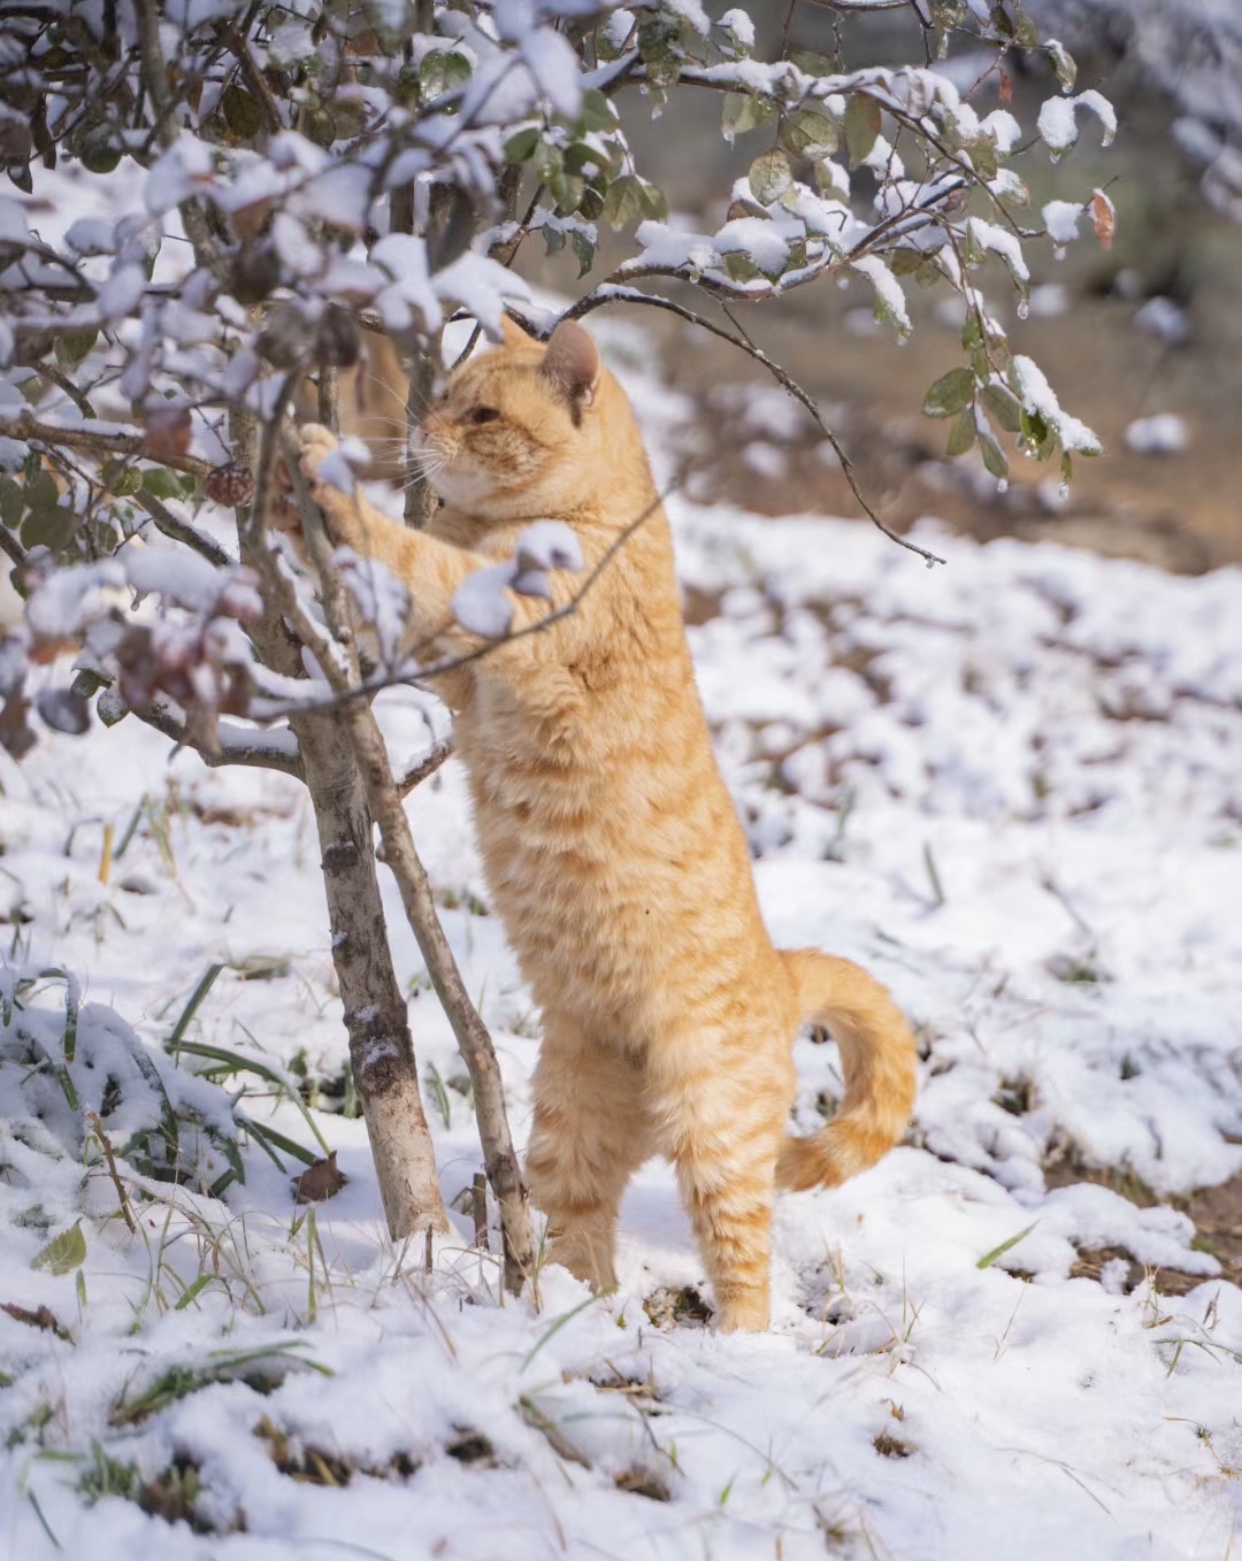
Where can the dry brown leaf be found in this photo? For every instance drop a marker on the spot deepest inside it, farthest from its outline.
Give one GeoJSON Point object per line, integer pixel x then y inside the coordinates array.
{"type": "Point", "coordinates": [1104, 216]}
{"type": "Point", "coordinates": [323, 1180]}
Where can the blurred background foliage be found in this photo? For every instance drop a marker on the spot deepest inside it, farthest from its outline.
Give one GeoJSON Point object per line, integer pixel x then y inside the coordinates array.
{"type": "Point", "coordinates": [1143, 340]}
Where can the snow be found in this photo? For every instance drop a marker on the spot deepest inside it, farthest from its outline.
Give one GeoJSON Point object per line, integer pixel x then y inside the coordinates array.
{"type": "Point", "coordinates": [1057, 734]}
{"type": "Point", "coordinates": [990, 235]}
{"type": "Point", "coordinates": [888, 290]}
{"type": "Point", "coordinates": [555, 66]}
{"type": "Point", "coordinates": [1165, 318]}
{"type": "Point", "coordinates": [740, 25]}
{"type": "Point", "coordinates": [481, 603]}
{"type": "Point", "coordinates": [1061, 220]}
{"type": "Point", "coordinates": [1058, 120]}
{"type": "Point", "coordinates": [1165, 433]}
{"type": "Point", "coordinates": [1038, 396]}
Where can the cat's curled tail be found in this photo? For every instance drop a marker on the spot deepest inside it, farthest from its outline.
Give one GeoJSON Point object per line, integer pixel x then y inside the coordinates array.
{"type": "Point", "coordinates": [877, 1055]}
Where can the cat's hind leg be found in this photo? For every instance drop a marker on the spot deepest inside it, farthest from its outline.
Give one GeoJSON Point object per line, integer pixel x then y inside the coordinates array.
{"type": "Point", "coordinates": [722, 1124]}
{"type": "Point", "coordinates": [591, 1132]}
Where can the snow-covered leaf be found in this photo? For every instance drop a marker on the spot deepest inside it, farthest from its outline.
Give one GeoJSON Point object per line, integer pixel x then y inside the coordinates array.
{"type": "Point", "coordinates": [548, 544]}
{"type": "Point", "coordinates": [482, 604]}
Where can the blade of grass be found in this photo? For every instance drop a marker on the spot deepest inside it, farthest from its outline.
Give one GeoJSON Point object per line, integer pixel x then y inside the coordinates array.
{"type": "Point", "coordinates": [989, 1258]}
{"type": "Point", "coordinates": [287, 1145]}
{"type": "Point", "coordinates": [235, 1062]}
{"type": "Point", "coordinates": [560, 1322]}
{"type": "Point", "coordinates": [173, 1043]}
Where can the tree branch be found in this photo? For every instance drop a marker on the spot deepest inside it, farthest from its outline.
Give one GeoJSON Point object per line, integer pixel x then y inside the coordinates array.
{"type": "Point", "coordinates": [96, 441]}
{"type": "Point", "coordinates": [181, 530]}
{"type": "Point", "coordinates": [236, 744]}
{"type": "Point", "coordinates": [610, 295]}
{"type": "Point", "coordinates": [426, 767]}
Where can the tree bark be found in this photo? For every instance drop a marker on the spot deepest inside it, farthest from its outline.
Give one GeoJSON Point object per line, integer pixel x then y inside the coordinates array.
{"type": "Point", "coordinates": [380, 1046]}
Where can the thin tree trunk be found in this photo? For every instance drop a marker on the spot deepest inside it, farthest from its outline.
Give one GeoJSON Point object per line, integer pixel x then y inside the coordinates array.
{"type": "Point", "coordinates": [400, 854]}
{"type": "Point", "coordinates": [380, 1046]}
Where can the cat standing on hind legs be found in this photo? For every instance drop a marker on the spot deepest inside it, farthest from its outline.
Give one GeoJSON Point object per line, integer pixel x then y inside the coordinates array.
{"type": "Point", "coordinates": [611, 846]}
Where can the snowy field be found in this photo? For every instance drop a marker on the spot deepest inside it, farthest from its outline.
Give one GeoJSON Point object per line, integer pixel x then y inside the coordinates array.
{"type": "Point", "coordinates": [1010, 786]}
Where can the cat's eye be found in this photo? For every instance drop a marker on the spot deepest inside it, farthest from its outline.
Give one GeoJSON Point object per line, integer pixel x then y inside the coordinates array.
{"type": "Point", "coordinates": [484, 415]}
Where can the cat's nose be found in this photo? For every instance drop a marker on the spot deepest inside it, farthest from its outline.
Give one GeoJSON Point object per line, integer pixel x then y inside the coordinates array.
{"type": "Point", "coordinates": [431, 426]}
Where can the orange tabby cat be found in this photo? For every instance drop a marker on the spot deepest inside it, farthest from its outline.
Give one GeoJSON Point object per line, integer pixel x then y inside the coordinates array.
{"type": "Point", "coordinates": [611, 846]}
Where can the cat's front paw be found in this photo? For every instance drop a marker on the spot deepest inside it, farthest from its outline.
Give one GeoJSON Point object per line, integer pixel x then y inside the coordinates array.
{"type": "Point", "coordinates": [333, 485]}
{"type": "Point", "coordinates": [316, 444]}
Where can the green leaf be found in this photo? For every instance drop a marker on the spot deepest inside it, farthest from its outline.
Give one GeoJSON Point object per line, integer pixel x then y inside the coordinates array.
{"type": "Point", "coordinates": [158, 480]}
{"type": "Point", "coordinates": [654, 203]}
{"type": "Point", "coordinates": [50, 526]}
{"type": "Point", "coordinates": [624, 201]}
{"type": "Point", "coordinates": [905, 262]}
{"type": "Point", "coordinates": [993, 456]}
{"type": "Point", "coordinates": [1063, 63]}
{"type": "Point", "coordinates": [100, 154]}
{"type": "Point", "coordinates": [442, 70]}
{"type": "Point", "coordinates": [950, 394]}
{"type": "Point", "coordinates": [862, 127]}
{"type": "Point", "coordinates": [743, 111]}
{"type": "Point", "coordinates": [808, 133]}
{"type": "Point", "coordinates": [64, 1252]}
{"type": "Point", "coordinates": [121, 478]}
{"type": "Point", "coordinates": [989, 1258]}
{"type": "Point", "coordinates": [243, 114]}
{"type": "Point", "coordinates": [1034, 428]}
{"type": "Point", "coordinates": [73, 347]}
{"type": "Point", "coordinates": [12, 502]}
{"type": "Point", "coordinates": [192, 1291]}
{"type": "Point", "coordinates": [982, 151]}
{"type": "Point", "coordinates": [584, 249]}
{"type": "Point", "coordinates": [741, 267]}
{"type": "Point", "coordinates": [521, 144]}
{"type": "Point", "coordinates": [962, 433]}
{"type": "Point", "coordinates": [1004, 406]}
{"type": "Point", "coordinates": [1025, 32]}
{"type": "Point", "coordinates": [568, 189]}
{"type": "Point", "coordinates": [815, 64]}
{"type": "Point", "coordinates": [770, 176]}
{"type": "Point", "coordinates": [597, 112]}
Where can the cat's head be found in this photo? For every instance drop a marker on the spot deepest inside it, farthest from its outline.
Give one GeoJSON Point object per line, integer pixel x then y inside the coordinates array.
{"type": "Point", "coordinates": [519, 430]}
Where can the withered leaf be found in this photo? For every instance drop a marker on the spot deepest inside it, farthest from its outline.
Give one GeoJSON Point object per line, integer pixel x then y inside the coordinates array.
{"type": "Point", "coordinates": [323, 1180]}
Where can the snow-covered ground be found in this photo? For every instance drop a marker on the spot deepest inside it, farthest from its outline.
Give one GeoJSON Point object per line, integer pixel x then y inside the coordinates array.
{"type": "Point", "coordinates": [1010, 786]}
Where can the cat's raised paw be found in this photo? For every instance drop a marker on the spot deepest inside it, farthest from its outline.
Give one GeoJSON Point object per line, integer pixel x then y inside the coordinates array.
{"type": "Point", "coordinates": [316, 443]}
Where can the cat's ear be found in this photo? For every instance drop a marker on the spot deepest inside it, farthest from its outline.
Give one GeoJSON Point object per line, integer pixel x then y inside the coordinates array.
{"type": "Point", "coordinates": [514, 335]}
{"type": "Point", "coordinates": [572, 363]}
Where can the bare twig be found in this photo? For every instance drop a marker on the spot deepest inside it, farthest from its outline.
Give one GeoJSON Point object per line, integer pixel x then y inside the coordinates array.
{"type": "Point", "coordinates": [105, 1143]}
{"type": "Point", "coordinates": [10, 545]}
{"type": "Point", "coordinates": [239, 47]}
{"type": "Point", "coordinates": [182, 530]}
{"type": "Point", "coordinates": [602, 296]}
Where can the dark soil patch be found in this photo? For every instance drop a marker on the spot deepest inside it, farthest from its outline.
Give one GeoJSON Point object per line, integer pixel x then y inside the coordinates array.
{"type": "Point", "coordinates": [1216, 1212]}
{"type": "Point", "coordinates": [643, 1482]}
{"type": "Point", "coordinates": [671, 1308]}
